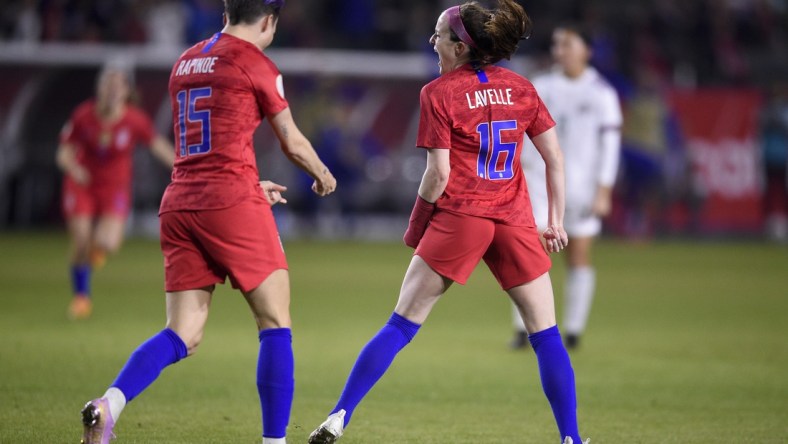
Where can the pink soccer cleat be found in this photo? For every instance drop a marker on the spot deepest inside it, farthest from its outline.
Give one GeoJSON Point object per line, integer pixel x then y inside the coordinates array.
{"type": "Point", "coordinates": [98, 422]}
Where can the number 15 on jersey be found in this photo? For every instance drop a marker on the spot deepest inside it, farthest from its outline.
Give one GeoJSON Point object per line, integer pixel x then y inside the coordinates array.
{"type": "Point", "coordinates": [489, 159]}
{"type": "Point", "coordinates": [188, 114]}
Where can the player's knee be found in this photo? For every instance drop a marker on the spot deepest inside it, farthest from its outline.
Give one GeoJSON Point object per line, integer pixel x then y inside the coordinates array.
{"type": "Point", "coordinates": [80, 252]}
{"type": "Point", "coordinates": [192, 344]}
{"type": "Point", "coordinates": [192, 340]}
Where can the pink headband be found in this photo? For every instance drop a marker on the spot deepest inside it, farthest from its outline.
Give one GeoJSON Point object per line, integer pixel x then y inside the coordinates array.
{"type": "Point", "coordinates": [455, 24]}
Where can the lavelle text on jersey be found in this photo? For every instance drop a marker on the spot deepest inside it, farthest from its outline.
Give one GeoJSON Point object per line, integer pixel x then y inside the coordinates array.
{"type": "Point", "coordinates": [488, 97]}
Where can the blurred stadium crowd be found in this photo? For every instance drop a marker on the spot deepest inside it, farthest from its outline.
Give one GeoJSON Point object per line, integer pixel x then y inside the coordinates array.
{"type": "Point", "coordinates": [685, 41]}
{"type": "Point", "coordinates": [653, 52]}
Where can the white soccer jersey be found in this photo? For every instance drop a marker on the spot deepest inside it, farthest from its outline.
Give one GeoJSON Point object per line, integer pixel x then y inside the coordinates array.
{"type": "Point", "coordinates": [588, 121]}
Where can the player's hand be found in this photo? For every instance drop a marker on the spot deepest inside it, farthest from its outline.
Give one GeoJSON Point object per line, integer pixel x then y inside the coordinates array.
{"type": "Point", "coordinates": [555, 238]}
{"type": "Point", "coordinates": [79, 174]}
{"type": "Point", "coordinates": [273, 192]}
{"type": "Point", "coordinates": [603, 202]}
{"type": "Point", "coordinates": [325, 185]}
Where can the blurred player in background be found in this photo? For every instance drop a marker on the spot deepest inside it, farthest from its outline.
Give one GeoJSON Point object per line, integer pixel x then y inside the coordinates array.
{"type": "Point", "coordinates": [95, 155]}
{"type": "Point", "coordinates": [216, 219]}
{"type": "Point", "coordinates": [473, 204]}
{"type": "Point", "coordinates": [588, 116]}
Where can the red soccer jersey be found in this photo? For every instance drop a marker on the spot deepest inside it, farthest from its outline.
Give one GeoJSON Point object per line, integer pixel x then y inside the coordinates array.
{"type": "Point", "coordinates": [105, 148]}
{"type": "Point", "coordinates": [482, 118]}
{"type": "Point", "coordinates": [221, 89]}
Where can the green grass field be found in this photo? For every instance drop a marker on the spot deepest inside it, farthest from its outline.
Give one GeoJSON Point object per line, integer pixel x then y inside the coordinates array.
{"type": "Point", "coordinates": [688, 343]}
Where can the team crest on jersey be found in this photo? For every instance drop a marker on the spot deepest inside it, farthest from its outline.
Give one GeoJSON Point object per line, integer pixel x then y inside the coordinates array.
{"type": "Point", "coordinates": [122, 139]}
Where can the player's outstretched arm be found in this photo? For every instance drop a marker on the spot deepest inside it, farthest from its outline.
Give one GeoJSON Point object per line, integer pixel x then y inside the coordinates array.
{"type": "Point", "coordinates": [548, 147]}
{"type": "Point", "coordinates": [66, 159]}
{"type": "Point", "coordinates": [163, 150]}
{"type": "Point", "coordinates": [298, 149]}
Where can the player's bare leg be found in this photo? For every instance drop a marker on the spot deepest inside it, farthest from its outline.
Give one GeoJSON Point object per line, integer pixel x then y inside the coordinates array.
{"type": "Point", "coordinates": [579, 289]}
{"type": "Point", "coordinates": [187, 314]}
{"type": "Point", "coordinates": [107, 239]}
{"type": "Point", "coordinates": [80, 229]}
{"type": "Point", "coordinates": [421, 289]}
{"type": "Point", "coordinates": [535, 302]}
{"type": "Point", "coordinates": [270, 304]}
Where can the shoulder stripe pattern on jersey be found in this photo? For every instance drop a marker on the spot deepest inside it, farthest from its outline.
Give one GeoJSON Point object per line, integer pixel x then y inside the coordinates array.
{"type": "Point", "coordinates": [481, 74]}
{"type": "Point", "coordinates": [213, 41]}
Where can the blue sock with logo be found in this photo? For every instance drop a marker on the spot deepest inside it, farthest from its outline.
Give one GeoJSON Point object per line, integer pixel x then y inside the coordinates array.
{"type": "Point", "coordinates": [558, 380]}
{"type": "Point", "coordinates": [80, 279]}
{"type": "Point", "coordinates": [275, 383]}
{"type": "Point", "coordinates": [147, 362]}
{"type": "Point", "coordinates": [373, 361]}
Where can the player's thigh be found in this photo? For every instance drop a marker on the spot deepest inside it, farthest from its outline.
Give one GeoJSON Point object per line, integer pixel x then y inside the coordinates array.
{"type": "Point", "coordinates": [244, 241]}
{"type": "Point", "coordinates": [109, 233]}
{"type": "Point", "coordinates": [80, 229]}
{"type": "Point", "coordinates": [578, 251]}
{"type": "Point", "coordinates": [454, 243]}
{"type": "Point", "coordinates": [516, 255]}
{"type": "Point", "coordinates": [421, 289]}
{"type": "Point", "coordinates": [536, 304]}
{"type": "Point", "coordinates": [270, 301]}
{"type": "Point", "coordinates": [187, 313]}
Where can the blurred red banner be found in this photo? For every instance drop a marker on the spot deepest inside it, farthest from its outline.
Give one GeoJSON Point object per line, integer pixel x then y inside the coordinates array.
{"type": "Point", "coordinates": [720, 133]}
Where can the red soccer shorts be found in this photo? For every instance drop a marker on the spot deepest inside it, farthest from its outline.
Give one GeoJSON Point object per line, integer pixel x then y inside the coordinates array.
{"type": "Point", "coordinates": [93, 201]}
{"type": "Point", "coordinates": [203, 248]}
{"type": "Point", "coordinates": [455, 243]}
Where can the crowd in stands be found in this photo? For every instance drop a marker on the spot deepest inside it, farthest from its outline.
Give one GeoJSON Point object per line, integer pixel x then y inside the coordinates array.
{"type": "Point", "coordinates": [682, 41]}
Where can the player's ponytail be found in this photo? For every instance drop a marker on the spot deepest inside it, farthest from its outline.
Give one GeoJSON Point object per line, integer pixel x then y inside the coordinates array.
{"type": "Point", "coordinates": [495, 33]}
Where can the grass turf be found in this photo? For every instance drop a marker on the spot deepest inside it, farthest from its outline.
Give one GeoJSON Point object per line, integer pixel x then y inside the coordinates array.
{"type": "Point", "coordinates": [688, 343]}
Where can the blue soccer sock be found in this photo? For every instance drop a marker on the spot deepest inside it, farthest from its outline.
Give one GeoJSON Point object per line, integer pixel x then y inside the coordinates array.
{"type": "Point", "coordinates": [558, 380]}
{"type": "Point", "coordinates": [275, 383]}
{"type": "Point", "coordinates": [147, 362]}
{"type": "Point", "coordinates": [373, 361]}
{"type": "Point", "coordinates": [80, 279]}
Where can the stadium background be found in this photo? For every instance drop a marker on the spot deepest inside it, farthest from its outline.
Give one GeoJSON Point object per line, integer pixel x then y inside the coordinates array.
{"type": "Point", "coordinates": [687, 339]}
{"type": "Point", "coordinates": [702, 84]}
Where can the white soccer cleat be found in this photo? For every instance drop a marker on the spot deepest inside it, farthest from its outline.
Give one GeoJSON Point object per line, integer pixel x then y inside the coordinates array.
{"type": "Point", "coordinates": [331, 429]}
{"type": "Point", "coordinates": [568, 440]}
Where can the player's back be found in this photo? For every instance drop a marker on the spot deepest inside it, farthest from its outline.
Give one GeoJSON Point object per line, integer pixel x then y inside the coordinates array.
{"type": "Point", "coordinates": [489, 113]}
{"type": "Point", "coordinates": [220, 89]}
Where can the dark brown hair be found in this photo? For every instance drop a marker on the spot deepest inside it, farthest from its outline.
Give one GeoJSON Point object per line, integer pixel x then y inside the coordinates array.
{"type": "Point", "coordinates": [497, 33]}
{"type": "Point", "coordinates": [248, 12]}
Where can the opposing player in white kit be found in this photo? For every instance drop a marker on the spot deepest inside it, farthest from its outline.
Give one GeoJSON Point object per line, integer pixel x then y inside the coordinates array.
{"type": "Point", "coordinates": [588, 119]}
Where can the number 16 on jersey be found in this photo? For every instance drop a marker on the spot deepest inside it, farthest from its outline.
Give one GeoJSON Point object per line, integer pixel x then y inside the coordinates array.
{"type": "Point", "coordinates": [489, 159]}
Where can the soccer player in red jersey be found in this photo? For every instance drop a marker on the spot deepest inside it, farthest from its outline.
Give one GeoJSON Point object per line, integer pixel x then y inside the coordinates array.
{"type": "Point", "coordinates": [473, 204]}
{"type": "Point", "coordinates": [216, 218]}
{"type": "Point", "coordinates": [95, 155]}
